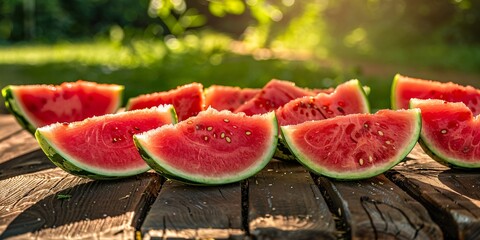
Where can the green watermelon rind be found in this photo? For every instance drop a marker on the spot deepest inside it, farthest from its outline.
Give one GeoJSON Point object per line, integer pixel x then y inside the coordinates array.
{"type": "Point", "coordinates": [436, 155]}
{"type": "Point", "coordinates": [393, 92]}
{"type": "Point", "coordinates": [171, 173]}
{"type": "Point", "coordinates": [64, 161]}
{"type": "Point", "coordinates": [22, 118]}
{"type": "Point", "coordinates": [16, 110]}
{"type": "Point", "coordinates": [356, 175]}
{"type": "Point", "coordinates": [364, 94]}
{"type": "Point", "coordinates": [444, 160]}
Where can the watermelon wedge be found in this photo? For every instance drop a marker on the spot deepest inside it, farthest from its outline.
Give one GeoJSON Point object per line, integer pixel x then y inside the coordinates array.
{"type": "Point", "coordinates": [215, 147]}
{"type": "Point", "coordinates": [348, 98]}
{"type": "Point", "coordinates": [227, 97]}
{"type": "Point", "coordinates": [354, 146]}
{"type": "Point", "coordinates": [450, 134]}
{"type": "Point", "coordinates": [102, 147]}
{"type": "Point", "coordinates": [188, 100]}
{"type": "Point", "coordinates": [405, 88]}
{"type": "Point", "coordinates": [36, 106]}
{"type": "Point", "coordinates": [273, 95]}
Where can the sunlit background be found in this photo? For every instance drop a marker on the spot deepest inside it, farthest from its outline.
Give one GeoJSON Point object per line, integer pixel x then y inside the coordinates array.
{"type": "Point", "coordinates": [156, 45]}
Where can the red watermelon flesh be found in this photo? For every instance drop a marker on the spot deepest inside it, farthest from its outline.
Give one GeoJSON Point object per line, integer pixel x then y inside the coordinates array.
{"type": "Point", "coordinates": [211, 148]}
{"type": "Point", "coordinates": [405, 88]}
{"type": "Point", "coordinates": [102, 147]}
{"type": "Point", "coordinates": [348, 98]}
{"type": "Point", "coordinates": [227, 97]}
{"type": "Point", "coordinates": [450, 133]}
{"type": "Point", "coordinates": [273, 95]}
{"type": "Point", "coordinates": [39, 105]}
{"type": "Point", "coordinates": [188, 100]}
{"type": "Point", "coordinates": [354, 146]}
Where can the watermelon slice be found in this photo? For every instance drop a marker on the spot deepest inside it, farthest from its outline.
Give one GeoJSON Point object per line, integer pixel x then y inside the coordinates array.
{"type": "Point", "coordinates": [188, 100]}
{"type": "Point", "coordinates": [354, 146]}
{"type": "Point", "coordinates": [450, 134]}
{"type": "Point", "coordinates": [273, 95]}
{"type": "Point", "coordinates": [211, 148]}
{"type": "Point", "coordinates": [348, 98]}
{"type": "Point", "coordinates": [405, 88]}
{"type": "Point", "coordinates": [36, 106]}
{"type": "Point", "coordinates": [102, 147]}
{"type": "Point", "coordinates": [227, 97]}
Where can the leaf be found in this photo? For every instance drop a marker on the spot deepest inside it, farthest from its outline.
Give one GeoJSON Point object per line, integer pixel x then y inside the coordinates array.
{"type": "Point", "coordinates": [63, 196]}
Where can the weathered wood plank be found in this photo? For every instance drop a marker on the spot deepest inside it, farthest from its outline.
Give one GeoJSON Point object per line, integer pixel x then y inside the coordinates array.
{"type": "Point", "coordinates": [8, 126]}
{"type": "Point", "coordinates": [52, 204]}
{"type": "Point", "coordinates": [27, 163]}
{"type": "Point", "coordinates": [16, 145]}
{"type": "Point", "coordinates": [451, 196]}
{"type": "Point", "coordinates": [377, 209]}
{"type": "Point", "coordinates": [285, 203]}
{"type": "Point", "coordinates": [195, 212]}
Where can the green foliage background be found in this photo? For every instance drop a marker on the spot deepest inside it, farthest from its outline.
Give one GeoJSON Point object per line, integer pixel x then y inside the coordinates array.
{"type": "Point", "coordinates": [156, 45]}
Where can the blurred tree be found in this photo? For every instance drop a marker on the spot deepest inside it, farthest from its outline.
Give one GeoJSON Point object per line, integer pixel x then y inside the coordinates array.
{"type": "Point", "coordinates": [360, 23]}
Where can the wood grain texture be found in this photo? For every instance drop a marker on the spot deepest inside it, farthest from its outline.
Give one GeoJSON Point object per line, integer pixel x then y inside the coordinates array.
{"type": "Point", "coordinates": [285, 203]}
{"type": "Point", "coordinates": [451, 196]}
{"type": "Point", "coordinates": [27, 163]}
{"type": "Point", "coordinates": [17, 144]}
{"type": "Point", "coordinates": [377, 209]}
{"type": "Point", "coordinates": [195, 212]}
{"type": "Point", "coordinates": [8, 126]}
{"type": "Point", "coordinates": [52, 204]}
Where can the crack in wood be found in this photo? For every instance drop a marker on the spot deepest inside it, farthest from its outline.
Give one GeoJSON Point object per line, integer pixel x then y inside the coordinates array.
{"type": "Point", "coordinates": [366, 199]}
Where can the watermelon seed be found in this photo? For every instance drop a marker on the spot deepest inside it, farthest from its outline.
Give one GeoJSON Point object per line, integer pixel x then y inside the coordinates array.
{"type": "Point", "coordinates": [360, 161]}
{"type": "Point", "coordinates": [190, 122]}
{"type": "Point", "coordinates": [370, 159]}
{"type": "Point", "coordinates": [365, 125]}
{"type": "Point", "coordinates": [295, 108]}
{"type": "Point", "coordinates": [388, 142]}
{"type": "Point", "coordinates": [215, 135]}
{"type": "Point", "coordinates": [115, 128]}
{"type": "Point", "coordinates": [114, 140]}
{"type": "Point", "coordinates": [340, 109]}
{"type": "Point", "coordinates": [234, 126]}
{"type": "Point", "coordinates": [136, 128]}
{"type": "Point", "coordinates": [226, 120]}
{"type": "Point", "coordinates": [248, 133]}
{"type": "Point", "coordinates": [380, 133]}
{"type": "Point", "coordinates": [466, 150]}
{"type": "Point", "coordinates": [228, 139]}
{"type": "Point", "coordinates": [205, 138]}
{"type": "Point", "coordinates": [444, 131]}
{"type": "Point", "coordinates": [209, 128]}
{"type": "Point", "coordinates": [222, 135]}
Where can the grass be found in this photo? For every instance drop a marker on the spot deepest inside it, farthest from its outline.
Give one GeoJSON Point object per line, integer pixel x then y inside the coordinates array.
{"type": "Point", "coordinates": [145, 67]}
{"type": "Point", "coordinates": [150, 66]}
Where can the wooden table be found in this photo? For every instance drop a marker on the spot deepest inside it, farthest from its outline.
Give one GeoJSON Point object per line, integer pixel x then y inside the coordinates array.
{"type": "Point", "coordinates": [419, 199]}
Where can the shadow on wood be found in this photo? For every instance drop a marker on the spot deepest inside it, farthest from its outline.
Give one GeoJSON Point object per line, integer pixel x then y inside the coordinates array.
{"type": "Point", "coordinates": [54, 204]}
{"type": "Point", "coordinates": [27, 163]}
{"type": "Point", "coordinates": [376, 208]}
